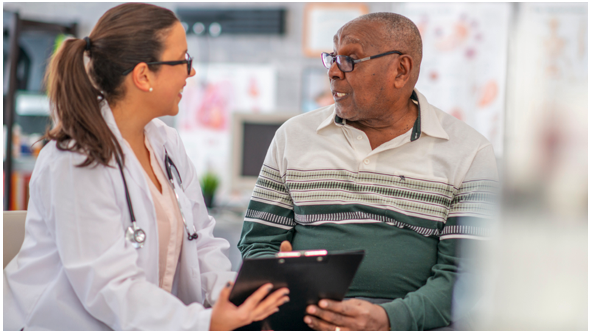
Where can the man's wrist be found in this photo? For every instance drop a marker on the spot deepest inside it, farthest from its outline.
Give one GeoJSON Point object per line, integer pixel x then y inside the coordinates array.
{"type": "Point", "coordinates": [382, 318]}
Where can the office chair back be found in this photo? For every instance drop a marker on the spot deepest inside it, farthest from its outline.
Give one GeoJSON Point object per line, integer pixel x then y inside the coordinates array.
{"type": "Point", "coordinates": [14, 234]}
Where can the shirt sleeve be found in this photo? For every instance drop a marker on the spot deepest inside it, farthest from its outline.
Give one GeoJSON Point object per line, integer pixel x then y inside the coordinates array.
{"type": "Point", "coordinates": [269, 219]}
{"type": "Point", "coordinates": [470, 219]}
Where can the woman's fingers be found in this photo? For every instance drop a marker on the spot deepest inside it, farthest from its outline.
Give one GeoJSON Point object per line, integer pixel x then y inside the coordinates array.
{"type": "Point", "coordinates": [273, 301]}
{"type": "Point", "coordinates": [252, 301]}
{"type": "Point", "coordinates": [224, 294]}
{"type": "Point", "coordinates": [266, 308]}
{"type": "Point", "coordinates": [258, 316]}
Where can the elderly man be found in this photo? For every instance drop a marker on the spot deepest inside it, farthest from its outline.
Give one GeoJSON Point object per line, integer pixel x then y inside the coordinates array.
{"type": "Point", "coordinates": [380, 170]}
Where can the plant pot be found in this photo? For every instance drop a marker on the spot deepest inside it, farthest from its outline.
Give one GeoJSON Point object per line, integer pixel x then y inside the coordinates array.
{"type": "Point", "coordinates": [209, 200]}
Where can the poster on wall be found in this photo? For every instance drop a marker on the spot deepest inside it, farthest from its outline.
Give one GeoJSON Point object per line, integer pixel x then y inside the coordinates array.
{"type": "Point", "coordinates": [463, 70]}
{"type": "Point", "coordinates": [208, 101]}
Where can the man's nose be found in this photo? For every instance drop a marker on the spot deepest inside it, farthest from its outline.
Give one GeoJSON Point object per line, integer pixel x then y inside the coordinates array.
{"type": "Point", "coordinates": [334, 72]}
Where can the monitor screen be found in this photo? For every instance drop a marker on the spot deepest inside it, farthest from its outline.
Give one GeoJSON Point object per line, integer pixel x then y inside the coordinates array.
{"type": "Point", "coordinates": [252, 134]}
{"type": "Point", "coordinates": [256, 141]}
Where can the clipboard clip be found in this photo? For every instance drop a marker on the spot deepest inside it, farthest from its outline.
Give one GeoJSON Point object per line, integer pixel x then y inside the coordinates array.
{"type": "Point", "coordinates": [306, 253]}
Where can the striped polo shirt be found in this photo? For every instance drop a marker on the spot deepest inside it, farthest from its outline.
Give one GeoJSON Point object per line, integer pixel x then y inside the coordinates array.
{"type": "Point", "coordinates": [407, 203]}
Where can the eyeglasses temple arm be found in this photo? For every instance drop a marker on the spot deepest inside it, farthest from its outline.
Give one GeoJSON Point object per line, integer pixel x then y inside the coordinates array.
{"type": "Point", "coordinates": [377, 56]}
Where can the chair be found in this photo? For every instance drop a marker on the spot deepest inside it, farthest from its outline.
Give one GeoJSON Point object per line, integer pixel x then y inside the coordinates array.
{"type": "Point", "coordinates": [14, 233]}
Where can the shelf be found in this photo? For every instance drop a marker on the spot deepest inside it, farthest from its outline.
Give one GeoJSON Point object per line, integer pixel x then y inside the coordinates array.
{"type": "Point", "coordinates": [24, 163]}
{"type": "Point", "coordinates": [31, 103]}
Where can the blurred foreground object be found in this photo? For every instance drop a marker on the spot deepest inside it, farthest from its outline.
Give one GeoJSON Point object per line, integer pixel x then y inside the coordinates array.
{"type": "Point", "coordinates": [533, 274]}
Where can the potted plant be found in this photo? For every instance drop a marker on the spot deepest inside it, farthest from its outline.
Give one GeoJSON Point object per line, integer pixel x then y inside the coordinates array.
{"type": "Point", "coordinates": [209, 183]}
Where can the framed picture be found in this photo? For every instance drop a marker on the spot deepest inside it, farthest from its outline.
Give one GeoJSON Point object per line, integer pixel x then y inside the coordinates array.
{"type": "Point", "coordinates": [316, 91]}
{"type": "Point", "coordinates": [321, 22]}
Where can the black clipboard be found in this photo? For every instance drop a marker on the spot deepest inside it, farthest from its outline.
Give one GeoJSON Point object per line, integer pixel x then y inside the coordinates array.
{"type": "Point", "coordinates": [310, 276]}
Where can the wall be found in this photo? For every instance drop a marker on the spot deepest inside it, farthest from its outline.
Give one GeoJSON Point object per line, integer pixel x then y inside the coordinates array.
{"type": "Point", "coordinates": [284, 52]}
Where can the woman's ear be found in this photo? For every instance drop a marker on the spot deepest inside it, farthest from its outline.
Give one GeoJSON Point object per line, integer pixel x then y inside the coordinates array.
{"type": "Point", "coordinates": [404, 69]}
{"type": "Point", "coordinates": [142, 77]}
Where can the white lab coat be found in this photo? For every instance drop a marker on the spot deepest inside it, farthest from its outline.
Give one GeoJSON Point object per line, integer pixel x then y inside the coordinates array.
{"type": "Point", "coordinates": [76, 271]}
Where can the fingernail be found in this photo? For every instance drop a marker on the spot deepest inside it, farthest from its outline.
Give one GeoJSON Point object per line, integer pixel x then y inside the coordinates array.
{"type": "Point", "coordinates": [285, 300]}
{"type": "Point", "coordinates": [307, 320]}
{"type": "Point", "coordinates": [277, 310]}
{"type": "Point", "coordinates": [228, 284]}
{"type": "Point", "coordinates": [286, 292]}
{"type": "Point", "coordinates": [269, 288]}
{"type": "Point", "coordinates": [311, 310]}
{"type": "Point", "coordinates": [323, 304]}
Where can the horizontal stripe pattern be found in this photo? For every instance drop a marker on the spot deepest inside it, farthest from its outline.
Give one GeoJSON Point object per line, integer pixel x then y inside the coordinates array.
{"type": "Point", "coordinates": [317, 219]}
{"type": "Point", "coordinates": [411, 197]}
{"type": "Point", "coordinates": [476, 198]}
{"type": "Point", "coordinates": [270, 217]}
{"type": "Point", "coordinates": [270, 189]}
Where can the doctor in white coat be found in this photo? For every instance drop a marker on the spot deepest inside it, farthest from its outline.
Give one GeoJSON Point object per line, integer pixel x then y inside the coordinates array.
{"type": "Point", "coordinates": [78, 269]}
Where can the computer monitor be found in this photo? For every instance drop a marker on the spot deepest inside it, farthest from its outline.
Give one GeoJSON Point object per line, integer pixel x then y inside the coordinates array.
{"type": "Point", "coordinates": [252, 134]}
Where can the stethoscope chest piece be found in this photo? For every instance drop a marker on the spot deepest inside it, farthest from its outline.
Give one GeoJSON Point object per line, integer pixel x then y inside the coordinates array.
{"type": "Point", "coordinates": [136, 236]}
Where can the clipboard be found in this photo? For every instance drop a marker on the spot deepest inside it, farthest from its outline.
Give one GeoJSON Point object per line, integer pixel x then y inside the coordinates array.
{"type": "Point", "coordinates": [309, 275]}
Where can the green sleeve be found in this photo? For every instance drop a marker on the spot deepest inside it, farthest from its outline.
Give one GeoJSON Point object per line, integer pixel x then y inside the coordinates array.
{"type": "Point", "coordinates": [262, 233]}
{"type": "Point", "coordinates": [269, 219]}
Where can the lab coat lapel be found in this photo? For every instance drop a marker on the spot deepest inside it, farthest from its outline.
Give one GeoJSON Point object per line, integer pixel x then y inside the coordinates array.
{"type": "Point", "coordinates": [134, 169]}
{"type": "Point", "coordinates": [157, 143]}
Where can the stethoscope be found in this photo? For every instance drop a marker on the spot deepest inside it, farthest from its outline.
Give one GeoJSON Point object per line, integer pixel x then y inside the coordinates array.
{"type": "Point", "coordinates": [136, 235]}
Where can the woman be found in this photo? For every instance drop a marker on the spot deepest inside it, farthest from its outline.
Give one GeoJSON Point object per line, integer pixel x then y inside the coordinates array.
{"type": "Point", "coordinates": [85, 264]}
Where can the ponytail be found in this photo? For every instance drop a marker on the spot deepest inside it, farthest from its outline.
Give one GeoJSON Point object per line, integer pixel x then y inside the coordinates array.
{"type": "Point", "coordinates": [75, 102]}
{"type": "Point", "coordinates": [124, 36]}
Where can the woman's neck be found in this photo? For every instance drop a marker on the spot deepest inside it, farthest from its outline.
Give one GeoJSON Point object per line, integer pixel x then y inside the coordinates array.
{"type": "Point", "coordinates": [130, 123]}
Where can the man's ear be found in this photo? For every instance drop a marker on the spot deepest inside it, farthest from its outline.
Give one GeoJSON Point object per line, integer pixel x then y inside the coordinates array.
{"type": "Point", "coordinates": [404, 70]}
{"type": "Point", "coordinates": [142, 77]}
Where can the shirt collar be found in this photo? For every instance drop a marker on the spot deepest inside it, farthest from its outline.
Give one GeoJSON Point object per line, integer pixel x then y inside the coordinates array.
{"type": "Point", "coordinates": [427, 121]}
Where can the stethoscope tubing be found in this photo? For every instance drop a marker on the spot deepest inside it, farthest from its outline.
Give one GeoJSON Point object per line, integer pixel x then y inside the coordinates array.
{"type": "Point", "coordinates": [136, 234]}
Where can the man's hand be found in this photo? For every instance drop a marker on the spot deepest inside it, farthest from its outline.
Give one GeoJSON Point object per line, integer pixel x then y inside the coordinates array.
{"type": "Point", "coordinates": [285, 246]}
{"type": "Point", "coordinates": [353, 315]}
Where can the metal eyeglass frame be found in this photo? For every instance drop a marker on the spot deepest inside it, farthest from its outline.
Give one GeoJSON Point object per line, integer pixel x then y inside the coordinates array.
{"type": "Point", "coordinates": [336, 59]}
{"type": "Point", "coordinates": [187, 61]}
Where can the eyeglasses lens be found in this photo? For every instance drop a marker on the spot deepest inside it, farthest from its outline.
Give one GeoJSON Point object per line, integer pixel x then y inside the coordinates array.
{"type": "Point", "coordinates": [344, 63]}
{"type": "Point", "coordinates": [188, 63]}
{"type": "Point", "coordinates": [327, 60]}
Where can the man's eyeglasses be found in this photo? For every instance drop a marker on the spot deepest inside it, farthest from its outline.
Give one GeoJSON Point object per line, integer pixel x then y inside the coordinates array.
{"type": "Point", "coordinates": [345, 63]}
{"type": "Point", "coordinates": [187, 61]}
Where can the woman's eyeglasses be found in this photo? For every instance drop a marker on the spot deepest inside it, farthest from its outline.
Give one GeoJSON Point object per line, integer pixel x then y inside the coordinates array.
{"type": "Point", "coordinates": [345, 63]}
{"type": "Point", "coordinates": [187, 61]}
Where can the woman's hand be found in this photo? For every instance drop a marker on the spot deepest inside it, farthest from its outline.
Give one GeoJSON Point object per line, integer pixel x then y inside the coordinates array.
{"type": "Point", "coordinates": [226, 316]}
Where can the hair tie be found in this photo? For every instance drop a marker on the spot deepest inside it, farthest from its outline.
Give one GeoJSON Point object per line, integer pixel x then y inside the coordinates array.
{"type": "Point", "coordinates": [87, 43]}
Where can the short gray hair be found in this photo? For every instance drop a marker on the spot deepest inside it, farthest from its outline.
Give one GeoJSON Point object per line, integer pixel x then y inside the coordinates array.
{"type": "Point", "coordinates": [399, 30]}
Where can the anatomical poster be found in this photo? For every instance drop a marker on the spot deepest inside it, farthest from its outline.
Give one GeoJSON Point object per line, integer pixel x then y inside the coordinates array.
{"type": "Point", "coordinates": [463, 70]}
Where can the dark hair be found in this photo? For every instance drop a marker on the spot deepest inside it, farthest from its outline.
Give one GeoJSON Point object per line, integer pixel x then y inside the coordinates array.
{"type": "Point", "coordinates": [124, 36]}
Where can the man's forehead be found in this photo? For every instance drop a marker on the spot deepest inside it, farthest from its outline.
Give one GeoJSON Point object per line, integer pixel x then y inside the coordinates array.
{"type": "Point", "coordinates": [347, 39]}
{"type": "Point", "coordinates": [357, 33]}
